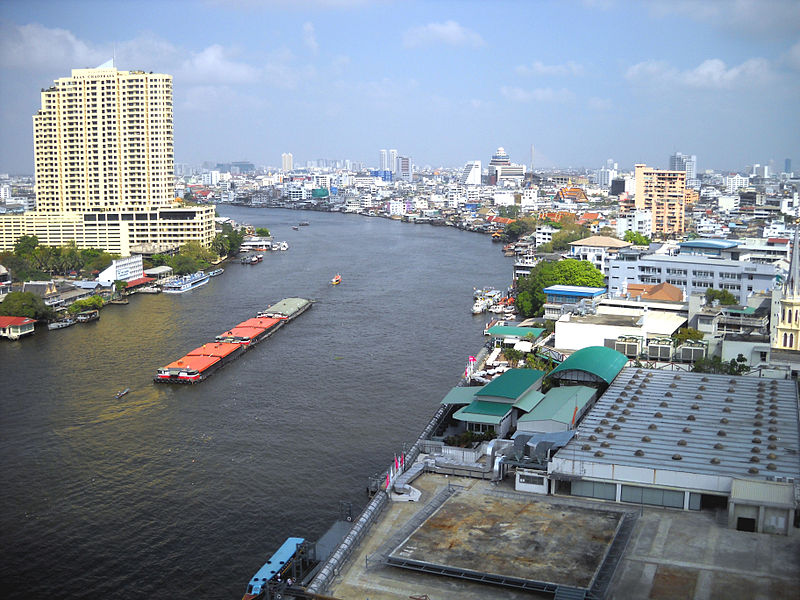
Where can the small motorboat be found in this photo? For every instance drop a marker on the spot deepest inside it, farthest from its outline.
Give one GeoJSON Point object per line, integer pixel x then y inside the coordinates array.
{"type": "Point", "coordinates": [295, 227]}
{"type": "Point", "coordinates": [337, 279]}
{"type": "Point", "coordinates": [122, 393]}
{"type": "Point", "coordinates": [61, 324]}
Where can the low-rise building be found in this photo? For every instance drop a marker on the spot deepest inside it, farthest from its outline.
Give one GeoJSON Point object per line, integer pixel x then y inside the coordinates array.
{"type": "Point", "coordinates": [14, 328]}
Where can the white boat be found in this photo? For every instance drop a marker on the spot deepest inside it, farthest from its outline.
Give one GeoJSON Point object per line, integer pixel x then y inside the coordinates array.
{"type": "Point", "coordinates": [216, 272]}
{"type": "Point", "coordinates": [284, 246]}
{"type": "Point", "coordinates": [186, 283]}
{"type": "Point", "coordinates": [480, 306]}
{"type": "Point", "coordinates": [61, 324]}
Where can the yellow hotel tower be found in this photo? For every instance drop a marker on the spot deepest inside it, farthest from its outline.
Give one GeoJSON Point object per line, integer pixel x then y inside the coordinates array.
{"type": "Point", "coordinates": [103, 150]}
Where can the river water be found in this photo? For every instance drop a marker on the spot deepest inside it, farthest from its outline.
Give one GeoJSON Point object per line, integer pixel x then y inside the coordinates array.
{"type": "Point", "coordinates": [183, 491]}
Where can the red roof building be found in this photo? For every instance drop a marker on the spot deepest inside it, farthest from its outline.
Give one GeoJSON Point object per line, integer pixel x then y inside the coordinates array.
{"type": "Point", "coordinates": [14, 328]}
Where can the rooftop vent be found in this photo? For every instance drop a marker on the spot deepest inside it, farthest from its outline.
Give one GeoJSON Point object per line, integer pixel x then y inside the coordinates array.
{"type": "Point", "coordinates": [698, 397]}
{"type": "Point", "coordinates": [623, 394]}
{"type": "Point", "coordinates": [677, 377]}
{"type": "Point", "coordinates": [756, 440]}
{"type": "Point", "coordinates": [658, 415]}
{"type": "Point", "coordinates": [652, 426]}
{"type": "Point", "coordinates": [757, 423]}
{"type": "Point", "coordinates": [727, 409]}
{"type": "Point", "coordinates": [718, 446]}
{"type": "Point", "coordinates": [611, 435]}
{"type": "Point", "coordinates": [772, 456]}
{"type": "Point", "coordinates": [631, 405]}
{"type": "Point", "coordinates": [772, 447]}
{"type": "Point", "coordinates": [621, 419]}
{"type": "Point", "coordinates": [673, 385]}
{"type": "Point", "coordinates": [603, 421]}
{"type": "Point", "coordinates": [635, 398]}
{"type": "Point", "coordinates": [701, 388]}
{"type": "Point", "coordinates": [609, 414]}
{"type": "Point", "coordinates": [613, 407]}
{"type": "Point", "coordinates": [721, 433]}
{"type": "Point", "coordinates": [773, 421]}
{"type": "Point", "coordinates": [772, 466]}
{"type": "Point", "coordinates": [687, 430]}
{"type": "Point", "coordinates": [599, 453]}
{"type": "Point", "coordinates": [704, 379]}
{"type": "Point", "coordinates": [681, 442]}
{"type": "Point", "coordinates": [756, 432]}
{"type": "Point", "coordinates": [731, 390]}
{"type": "Point", "coordinates": [714, 461]}
{"type": "Point", "coordinates": [598, 430]}
{"type": "Point", "coordinates": [676, 457]}
{"type": "Point", "coordinates": [752, 471]}
{"type": "Point", "coordinates": [645, 438]}
{"type": "Point", "coordinates": [772, 428]}
{"type": "Point", "coordinates": [663, 404]}
{"type": "Point", "coordinates": [728, 399]}
{"type": "Point", "coordinates": [690, 418]}
{"type": "Point", "coordinates": [754, 459]}
{"type": "Point", "coordinates": [696, 406]}
{"type": "Point", "coordinates": [586, 447]}
{"type": "Point", "coordinates": [615, 427]}
{"type": "Point", "coordinates": [605, 444]}
{"type": "Point", "coordinates": [772, 438]}
{"type": "Point", "coordinates": [773, 413]}
{"type": "Point", "coordinates": [593, 438]}
{"type": "Point", "coordinates": [625, 412]}
{"type": "Point", "coordinates": [755, 450]}
{"type": "Point", "coordinates": [639, 453]}
{"type": "Point", "coordinates": [724, 421]}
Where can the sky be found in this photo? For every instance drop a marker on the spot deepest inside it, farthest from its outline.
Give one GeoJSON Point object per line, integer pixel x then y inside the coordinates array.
{"type": "Point", "coordinates": [444, 82]}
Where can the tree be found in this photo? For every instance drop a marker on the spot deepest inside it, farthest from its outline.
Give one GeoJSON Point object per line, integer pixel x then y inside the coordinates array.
{"type": "Point", "coordinates": [714, 364]}
{"type": "Point", "coordinates": [92, 302]}
{"type": "Point", "coordinates": [514, 231]}
{"type": "Point", "coordinates": [685, 334]}
{"type": "Point", "coordinates": [545, 274]}
{"type": "Point", "coordinates": [25, 245]}
{"type": "Point", "coordinates": [724, 296]}
{"type": "Point", "coordinates": [637, 238]}
{"type": "Point", "coordinates": [25, 304]}
{"type": "Point", "coordinates": [262, 232]}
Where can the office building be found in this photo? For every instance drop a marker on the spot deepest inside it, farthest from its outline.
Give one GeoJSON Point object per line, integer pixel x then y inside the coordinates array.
{"type": "Point", "coordinates": [392, 166]}
{"type": "Point", "coordinates": [384, 161]}
{"type": "Point", "coordinates": [471, 175]}
{"type": "Point", "coordinates": [685, 163]}
{"type": "Point", "coordinates": [103, 151]}
{"type": "Point", "coordinates": [287, 162]}
{"type": "Point", "coordinates": [662, 193]}
{"type": "Point", "coordinates": [787, 166]}
{"type": "Point", "coordinates": [403, 171]}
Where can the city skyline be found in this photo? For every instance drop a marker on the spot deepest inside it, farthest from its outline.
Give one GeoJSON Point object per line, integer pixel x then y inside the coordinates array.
{"type": "Point", "coordinates": [446, 82]}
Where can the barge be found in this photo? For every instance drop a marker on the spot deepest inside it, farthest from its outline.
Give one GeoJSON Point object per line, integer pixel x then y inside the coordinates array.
{"type": "Point", "coordinates": [201, 362]}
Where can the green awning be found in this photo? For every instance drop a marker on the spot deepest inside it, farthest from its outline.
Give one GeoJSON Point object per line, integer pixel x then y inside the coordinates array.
{"type": "Point", "coordinates": [511, 384]}
{"type": "Point", "coordinates": [529, 400]}
{"type": "Point", "coordinates": [460, 395]}
{"type": "Point", "coordinates": [479, 411]}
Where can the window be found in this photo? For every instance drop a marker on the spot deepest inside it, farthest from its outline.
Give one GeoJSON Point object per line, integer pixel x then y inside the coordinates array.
{"type": "Point", "coordinates": [531, 479]}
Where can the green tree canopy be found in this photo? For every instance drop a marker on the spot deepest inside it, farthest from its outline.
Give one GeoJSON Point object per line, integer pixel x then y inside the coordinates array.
{"type": "Point", "coordinates": [85, 304]}
{"type": "Point", "coordinates": [25, 304]}
{"type": "Point", "coordinates": [25, 245]}
{"type": "Point", "coordinates": [262, 232]}
{"type": "Point", "coordinates": [685, 334]}
{"type": "Point", "coordinates": [531, 298]}
{"type": "Point", "coordinates": [714, 364]}
{"type": "Point", "coordinates": [636, 238]}
{"type": "Point", "coordinates": [724, 296]}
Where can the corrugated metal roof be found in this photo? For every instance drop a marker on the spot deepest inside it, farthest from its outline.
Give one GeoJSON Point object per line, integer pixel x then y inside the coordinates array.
{"type": "Point", "coordinates": [511, 384]}
{"type": "Point", "coordinates": [489, 413]}
{"type": "Point", "coordinates": [460, 395]}
{"type": "Point", "coordinates": [693, 422]}
{"type": "Point", "coordinates": [529, 400]}
{"type": "Point", "coordinates": [510, 331]}
{"type": "Point", "coordinates": [559, 404]}
{"type": "Point", "coordinates": [603, 362]}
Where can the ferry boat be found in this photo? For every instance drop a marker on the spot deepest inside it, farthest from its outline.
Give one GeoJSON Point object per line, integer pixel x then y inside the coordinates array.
{"type": "Point", "coordinates": [277, 570]}
{"type": "Point", "coordinates": [337, 279]}
{"type": "Point", "coordinates": [61, 324]}
{"type": "Point", "coordinates": [216, 272]}
{"type": "Point", "coordinates": [186, 283]}
{"type": "Point", "coordinates": [87, 316]}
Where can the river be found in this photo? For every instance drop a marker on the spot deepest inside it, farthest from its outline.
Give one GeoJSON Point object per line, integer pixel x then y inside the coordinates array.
{"type": "Point", "coordinates": [183, 491]}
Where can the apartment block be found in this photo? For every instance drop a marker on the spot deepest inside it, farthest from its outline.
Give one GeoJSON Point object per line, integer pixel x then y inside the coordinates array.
{"type": "Point", "coordinates": [663, 194]}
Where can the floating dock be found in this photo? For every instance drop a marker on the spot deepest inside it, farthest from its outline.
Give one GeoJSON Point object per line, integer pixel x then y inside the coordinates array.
{"type": "Point", "coordinates": [201, 362]}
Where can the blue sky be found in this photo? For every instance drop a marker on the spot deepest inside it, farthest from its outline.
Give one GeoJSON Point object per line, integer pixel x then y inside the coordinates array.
{"type": "Point", "coordinates": [442, 81]}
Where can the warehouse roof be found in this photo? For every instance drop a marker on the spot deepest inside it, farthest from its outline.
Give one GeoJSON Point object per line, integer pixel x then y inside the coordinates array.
{"type": "Point", "coordinates": [722, 425]}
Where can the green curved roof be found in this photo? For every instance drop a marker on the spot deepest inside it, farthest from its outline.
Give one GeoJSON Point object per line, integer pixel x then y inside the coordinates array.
{"type": "Point", "coordinates": [605, 363]}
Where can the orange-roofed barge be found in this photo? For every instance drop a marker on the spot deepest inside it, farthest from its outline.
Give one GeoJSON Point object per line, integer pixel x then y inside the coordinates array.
{"type": "Point", "coordinates": [201, 362]}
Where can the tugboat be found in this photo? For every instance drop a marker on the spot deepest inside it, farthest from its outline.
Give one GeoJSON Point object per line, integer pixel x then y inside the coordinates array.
{"type": "Point", "coordinates": [337, 279]}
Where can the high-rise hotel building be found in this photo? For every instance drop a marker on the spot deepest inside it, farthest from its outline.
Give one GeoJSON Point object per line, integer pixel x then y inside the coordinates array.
{"type": "Point", "coordinates": [103, 150]}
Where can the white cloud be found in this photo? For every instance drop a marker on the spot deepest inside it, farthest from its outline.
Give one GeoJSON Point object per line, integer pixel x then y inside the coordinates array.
{"type": "Point", "coordinates": [282, 71]}
{"type": "Point", "coordinates": [213, 65]}
{"type": "Point", "coordinates": [768, 18]}
{"type": "Point", "coordinates": [35, 47]}
{"type": "Point", "coordinates": [712, 73]}
{"type": "Point", "coordinates": [538, 68]}
{"type": "Point", "coordinates": [599, 104]}
{"type": "Point", "coordinates": [448, 32]}
{"type": "Point", "coordinates": [217, 99]}
{"type": "Point", "coordinates": [792, 57]}
{"type": "Point", "coordinates": [309, 38]}
{"type": "Point", "coordinates": [516, 94]}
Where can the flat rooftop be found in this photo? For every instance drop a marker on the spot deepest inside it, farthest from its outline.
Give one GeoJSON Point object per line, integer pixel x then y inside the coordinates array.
{"type": "Point", "coordinates": [530, 539]}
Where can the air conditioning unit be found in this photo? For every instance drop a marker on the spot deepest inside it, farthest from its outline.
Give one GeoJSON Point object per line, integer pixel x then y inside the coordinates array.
{"type": "Point", "coordinates": [659, 350]}
{"type": "Point", "coordinates": [627, 346]}
{"type": "Point", "coordinates": [691, 353]}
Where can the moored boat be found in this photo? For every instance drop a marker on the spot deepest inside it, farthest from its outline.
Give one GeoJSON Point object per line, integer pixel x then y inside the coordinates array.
{"type": "Point", "coordinates": [277, 570]}
{"type": "Point", "coordinates": [186, 283]}
{"type": "Point", "coordinates": [216, 272]}
{"type": "Point", "coordinates": [61, 323]}
{"type": "Point", "coordinates": [87, 315]}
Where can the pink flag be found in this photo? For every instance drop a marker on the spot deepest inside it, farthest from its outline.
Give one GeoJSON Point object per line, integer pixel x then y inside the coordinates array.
{"type": "Point", "coordinates": [395, 462]}
{"type": "Point", "coordinates": [387, 481]}
{"type": "Point", "coordinates": [402, 460]}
